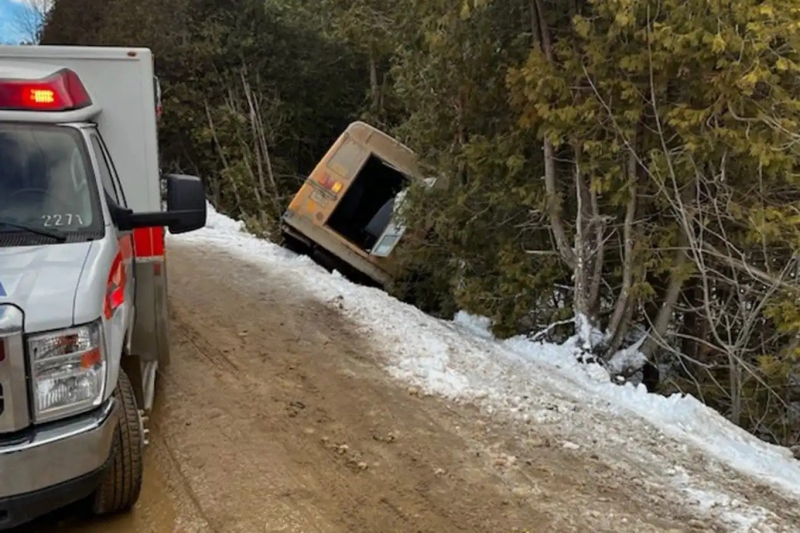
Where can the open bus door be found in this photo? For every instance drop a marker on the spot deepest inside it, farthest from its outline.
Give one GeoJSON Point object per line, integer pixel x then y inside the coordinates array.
{"type": "Point", "coordinates": [395, 229]}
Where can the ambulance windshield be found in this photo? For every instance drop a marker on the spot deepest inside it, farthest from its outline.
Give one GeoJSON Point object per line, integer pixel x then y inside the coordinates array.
{"type": "Point", "coordinates": [45, 179]}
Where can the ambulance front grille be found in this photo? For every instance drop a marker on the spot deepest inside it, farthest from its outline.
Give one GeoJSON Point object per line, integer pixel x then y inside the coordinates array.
{"type": "Point", "coordinates": [14, 414]}
{"type": "Point", "coordinates": [2, 356]}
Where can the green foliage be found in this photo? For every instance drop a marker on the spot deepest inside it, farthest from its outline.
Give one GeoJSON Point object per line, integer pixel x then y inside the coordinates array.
{"type": "Point", "coordinates": [706, 99]}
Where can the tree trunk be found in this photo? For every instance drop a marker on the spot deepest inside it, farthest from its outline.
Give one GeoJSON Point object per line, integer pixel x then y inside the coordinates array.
{"type": "Point", "coordinates": [374, 85]}
{"type": "Point", "coordinates": [615, 329]}
{"type": "Point", "coordinates": [667, 309]}
{"type": "Point", "coordinates": [535, 32]}
{"type": "Point", "coordinates": [694, 322]}
{"type": "Point", "coordinates": [597, 255]}
{"type": "Point", "coordinates": [539, 28]}
{"type": "Point", "coordinates": [234, 188]}
{"type": "Point", "coordinates": [580, 270]}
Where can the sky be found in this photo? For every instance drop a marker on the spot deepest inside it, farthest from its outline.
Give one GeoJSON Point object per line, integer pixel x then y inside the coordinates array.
{"type": "Point", "coordinates": [11, 13]}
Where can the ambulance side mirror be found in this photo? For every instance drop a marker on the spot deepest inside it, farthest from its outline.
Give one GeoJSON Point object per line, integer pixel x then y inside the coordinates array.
{"type": "Point", "coordinates": [186, 203]}
{"type": "Point", "coordinates": [186, 208]}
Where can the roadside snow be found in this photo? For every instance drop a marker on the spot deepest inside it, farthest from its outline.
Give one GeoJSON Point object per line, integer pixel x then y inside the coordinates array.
{"type": "Point", "coordinates": [543, 385]}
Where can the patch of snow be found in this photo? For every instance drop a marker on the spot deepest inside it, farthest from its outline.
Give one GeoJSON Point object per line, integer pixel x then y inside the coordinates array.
{"type": "Point", "coordinates": [627, 358]}
{"type": "Point", "coordinates": [480, 326]}
{"type": "Point", "coordinates": [538, 383]}
{"type": "Point", "coordinates": [724, 508]}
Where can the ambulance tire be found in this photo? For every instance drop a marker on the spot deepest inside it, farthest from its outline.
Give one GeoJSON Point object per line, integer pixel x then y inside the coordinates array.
{"type": "Point", "coordinates": [122, 483]}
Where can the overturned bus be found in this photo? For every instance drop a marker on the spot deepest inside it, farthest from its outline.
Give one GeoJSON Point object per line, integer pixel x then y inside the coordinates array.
{"type": "Point", "coordinates": [343, 215]}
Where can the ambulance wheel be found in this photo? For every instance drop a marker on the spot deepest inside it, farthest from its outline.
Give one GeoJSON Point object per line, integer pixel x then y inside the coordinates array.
{"type": "Point", "coordinates": [122, 483]}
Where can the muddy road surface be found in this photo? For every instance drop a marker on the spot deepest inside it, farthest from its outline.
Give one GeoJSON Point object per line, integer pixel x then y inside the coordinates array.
{"type": "Point", "coordinates": [275, 416]}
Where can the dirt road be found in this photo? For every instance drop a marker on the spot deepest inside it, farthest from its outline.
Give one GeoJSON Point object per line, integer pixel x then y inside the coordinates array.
{"type": "Point", "coordinates": [275, 416]}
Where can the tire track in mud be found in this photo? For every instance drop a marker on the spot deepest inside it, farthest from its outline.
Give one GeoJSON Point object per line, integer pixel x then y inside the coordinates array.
{"type": "Point", "coordinates": [338, 453]}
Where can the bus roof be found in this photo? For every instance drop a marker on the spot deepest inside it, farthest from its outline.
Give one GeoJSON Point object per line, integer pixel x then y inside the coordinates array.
{"type": "Point", "coordinates": [385, 147]}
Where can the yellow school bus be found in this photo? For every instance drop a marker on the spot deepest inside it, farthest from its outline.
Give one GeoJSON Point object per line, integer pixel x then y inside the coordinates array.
{"type": "Point", "coordinates": [343, 214]}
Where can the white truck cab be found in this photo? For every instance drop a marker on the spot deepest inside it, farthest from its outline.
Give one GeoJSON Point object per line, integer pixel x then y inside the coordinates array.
{"type": "Point", "coordinates": [83, 294]}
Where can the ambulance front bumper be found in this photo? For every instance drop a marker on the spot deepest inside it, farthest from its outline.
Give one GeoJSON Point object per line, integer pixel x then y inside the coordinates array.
{"type": "Point", "coordinates": [54, 465]}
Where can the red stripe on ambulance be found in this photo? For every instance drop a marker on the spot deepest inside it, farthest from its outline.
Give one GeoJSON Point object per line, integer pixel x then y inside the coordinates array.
{"type": "Point", "coordinates": [149, 242]}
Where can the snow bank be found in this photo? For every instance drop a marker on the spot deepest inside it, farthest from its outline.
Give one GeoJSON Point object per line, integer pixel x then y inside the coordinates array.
{"type": "Point", "coordinates": [541, 383]}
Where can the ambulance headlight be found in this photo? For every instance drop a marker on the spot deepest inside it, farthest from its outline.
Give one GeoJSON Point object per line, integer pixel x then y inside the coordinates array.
{"type": "Point", "coordinates": [68, 369]}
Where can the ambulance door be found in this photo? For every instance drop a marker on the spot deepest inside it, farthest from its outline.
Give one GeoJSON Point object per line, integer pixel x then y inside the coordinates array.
{"type": "Point", "coordinates": [115, 194]}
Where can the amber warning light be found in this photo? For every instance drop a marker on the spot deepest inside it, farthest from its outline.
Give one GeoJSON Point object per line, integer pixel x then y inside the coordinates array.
{"type": "Point", "coordinates": [63, 91]}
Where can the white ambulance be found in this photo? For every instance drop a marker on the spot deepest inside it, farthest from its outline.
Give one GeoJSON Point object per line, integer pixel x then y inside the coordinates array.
{"type": "Point", "coordinates": [83, 280]}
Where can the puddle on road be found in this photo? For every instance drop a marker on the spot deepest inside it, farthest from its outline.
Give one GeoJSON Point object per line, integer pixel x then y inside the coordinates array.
{"type": "Point", "coordinates": [154, 513]}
